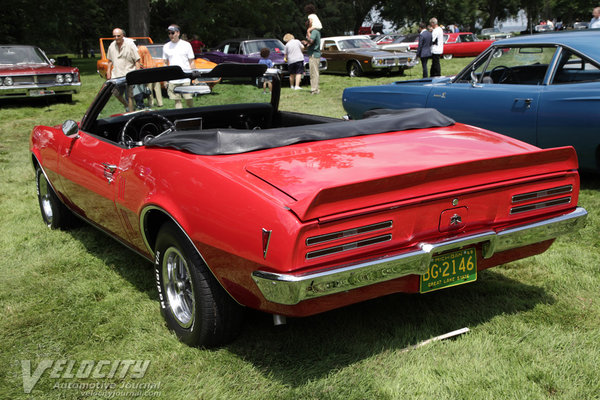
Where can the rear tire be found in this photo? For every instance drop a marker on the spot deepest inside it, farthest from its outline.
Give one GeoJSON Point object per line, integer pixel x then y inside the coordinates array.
{"type": "Point", "coordinates": [193, 303]}
{"type": "Point", "coordinates": [447, 56]}
{"type": "Point", "coordinates": [54, 213]}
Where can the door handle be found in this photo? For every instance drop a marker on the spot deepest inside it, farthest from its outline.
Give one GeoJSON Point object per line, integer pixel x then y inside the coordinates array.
{"type": "Point", "coordinates": [109, 170]}
{"type": "Point", "coordinates": [109, 167]}
{"type": "Point", "coordinates": [527, 101]}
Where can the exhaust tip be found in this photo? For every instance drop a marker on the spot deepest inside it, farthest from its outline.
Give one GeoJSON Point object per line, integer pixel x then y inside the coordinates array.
{"type": "Point", "coordinates": [279, 320]}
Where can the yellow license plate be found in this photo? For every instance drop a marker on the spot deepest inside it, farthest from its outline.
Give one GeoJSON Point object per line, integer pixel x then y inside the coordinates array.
{"type": "Point", "coordinates": [450, 269]}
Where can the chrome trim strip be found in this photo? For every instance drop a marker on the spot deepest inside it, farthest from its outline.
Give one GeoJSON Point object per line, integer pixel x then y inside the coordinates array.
{"type": "Point", "coordinates": [329, 237]}
{"type": "Point", "coordinates": [542, 193]}
{"type": "Point", "coordinates": [291, 289]}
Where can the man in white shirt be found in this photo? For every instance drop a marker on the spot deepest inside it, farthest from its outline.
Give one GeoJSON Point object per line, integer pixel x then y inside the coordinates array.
{"type": "Point", "coordinates": [595, 22]}
{"type": "Point", "coordinates": [437, 47]}
{"type": "Point", "coordinates": [178, 52]}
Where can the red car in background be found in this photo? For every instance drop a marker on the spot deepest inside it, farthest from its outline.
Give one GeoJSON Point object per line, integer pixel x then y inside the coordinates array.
{"type": "Point", "coordinates": [464, 44]}
{"type": "Point", "coordinates": [26, 71]}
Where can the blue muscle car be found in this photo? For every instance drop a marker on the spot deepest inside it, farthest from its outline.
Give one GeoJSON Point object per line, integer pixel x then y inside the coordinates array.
{"type": "Point", "coordinates": [541, 89]}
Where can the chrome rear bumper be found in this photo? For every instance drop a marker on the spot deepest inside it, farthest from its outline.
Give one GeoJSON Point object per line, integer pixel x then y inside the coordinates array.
{"type": "Point", "coordinates": [291, 289]}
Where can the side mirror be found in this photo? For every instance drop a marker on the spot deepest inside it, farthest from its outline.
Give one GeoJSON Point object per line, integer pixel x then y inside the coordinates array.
{"type": "Point", "coordinates": [474, 80]}
{"type": "Point", "coordinates": [70, 128]}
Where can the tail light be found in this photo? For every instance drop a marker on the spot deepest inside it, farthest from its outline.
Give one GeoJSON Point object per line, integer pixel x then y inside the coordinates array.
{"type": "Point", "coordinates": [541, 199]}
{"type": "Point", "coordinates": [348, 234]}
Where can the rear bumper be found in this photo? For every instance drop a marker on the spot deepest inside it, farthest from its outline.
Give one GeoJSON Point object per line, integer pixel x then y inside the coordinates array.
{"type": "Point", "coordinates": [291, 289]}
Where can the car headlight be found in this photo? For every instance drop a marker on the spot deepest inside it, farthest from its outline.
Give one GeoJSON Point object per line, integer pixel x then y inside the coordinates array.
{"type": "Point", "coordinates": [377, 61]}
{"type": "Point", "coordinates": [60, 79]}
{"type": "Point", "coordinates": [68, 78]}
{"type": "Point", "coordinates": [8, 81]}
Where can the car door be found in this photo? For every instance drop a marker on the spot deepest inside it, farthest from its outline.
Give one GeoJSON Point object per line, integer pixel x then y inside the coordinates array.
{"type": "Point", "coordinates": [89, 170]}
{"type": "Point", "coordinates": [506, 97]}
{"type": "Point", "coordinates": [335, 58]}
{"type": "Point", "coordinates": [568, 108]}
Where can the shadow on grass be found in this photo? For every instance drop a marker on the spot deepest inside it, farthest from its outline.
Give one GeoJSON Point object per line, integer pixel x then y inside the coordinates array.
{"type": "Point", "coordinates": [313, 347]}
{"type": "Point", "coordinates": [310, 348]}
{"type": "Point", "coordinates": [134, 268]}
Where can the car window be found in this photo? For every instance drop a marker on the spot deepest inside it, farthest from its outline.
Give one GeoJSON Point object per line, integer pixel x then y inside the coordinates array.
{"type": "Point", "coordinates": [275, 46]}
{"type": "Point", "coordinates": [573, 68]}
{"type": "Point", "coordinates": [358, 43]}
{"type": "Point", "coordinates": [516, 65]}
{"type": "Point", "coordinates": [232, 48]}
{"type": "Point", "coordinates": [330, 45]}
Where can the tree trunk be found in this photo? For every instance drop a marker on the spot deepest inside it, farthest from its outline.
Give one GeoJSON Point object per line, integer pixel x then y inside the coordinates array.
{"type": "Point", "coordinates": [139, 17]}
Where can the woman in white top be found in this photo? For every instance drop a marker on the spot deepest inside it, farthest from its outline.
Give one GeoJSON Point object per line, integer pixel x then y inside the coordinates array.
{"type": "Point", "coordinates": [295, 59]}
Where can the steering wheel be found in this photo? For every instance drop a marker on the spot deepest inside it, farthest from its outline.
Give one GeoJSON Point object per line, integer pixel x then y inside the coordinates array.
{"type": "Point", "coordinates": [506, 74]}
{"type": "Point", "coordinates": [156, 123]}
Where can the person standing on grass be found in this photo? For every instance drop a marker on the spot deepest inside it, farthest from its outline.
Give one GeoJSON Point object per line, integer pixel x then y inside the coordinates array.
{"type": "Point", "coordinates": [424, 49]}
{"type": "Point", "coordinates": [295, 59]}
{"type": "Point", "coordinates": [178, 52]}
{"type": "Point", "coordinates": [437, 47]}
{"type": "Point", "coordinates": [123, 57]}
{"type": "Point", "coordinates": [264, 59]}
{"type": "Point", "coordinates": [313, 50]}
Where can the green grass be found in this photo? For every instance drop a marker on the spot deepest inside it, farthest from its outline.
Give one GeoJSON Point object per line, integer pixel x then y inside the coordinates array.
{"type": "Point", "coordinates": [78, 295]}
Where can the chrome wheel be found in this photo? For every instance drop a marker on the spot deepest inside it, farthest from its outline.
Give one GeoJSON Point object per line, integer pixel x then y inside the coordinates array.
{"type": "Point", "coordinates": [44, 196]}
{"type": "Point", "coordinates": [178, 287]}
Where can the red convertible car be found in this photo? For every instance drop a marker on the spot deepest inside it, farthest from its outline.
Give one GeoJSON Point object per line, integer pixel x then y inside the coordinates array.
{"type": "Point", "coordinates": [464, 44]}
{"type": "Point", "coordinates": [244, 205]}
{"type": "Point", "coordinates": [25, 71]}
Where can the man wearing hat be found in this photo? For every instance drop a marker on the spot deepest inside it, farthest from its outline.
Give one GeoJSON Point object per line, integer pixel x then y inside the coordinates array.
{"type": "Point", "coordinates": [178, 52]}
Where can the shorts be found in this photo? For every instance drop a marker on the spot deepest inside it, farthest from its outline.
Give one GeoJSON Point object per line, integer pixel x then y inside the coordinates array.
{"type": "Point", "coordinates": [296, 68]}
{"type": "Point", "coordinates": [177, 96]}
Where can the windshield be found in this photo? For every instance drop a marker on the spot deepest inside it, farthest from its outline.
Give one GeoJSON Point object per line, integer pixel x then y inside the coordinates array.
{"type": "Point", "coordinates": [358, 43]}
{"type": "Point", "coordinates": [21, 55]}
{"type": "Point", "coordinates": [156, 51]}
{"type": "Point", "coordinates": [254, 46]}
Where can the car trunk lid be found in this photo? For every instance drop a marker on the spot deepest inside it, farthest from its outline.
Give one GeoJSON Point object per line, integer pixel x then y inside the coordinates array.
{"type": "Point", "coordinates": [340, 176]}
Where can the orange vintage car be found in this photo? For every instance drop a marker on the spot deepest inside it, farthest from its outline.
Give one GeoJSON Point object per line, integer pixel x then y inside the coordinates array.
{"type": "Point", "coordinates": [154, 49]}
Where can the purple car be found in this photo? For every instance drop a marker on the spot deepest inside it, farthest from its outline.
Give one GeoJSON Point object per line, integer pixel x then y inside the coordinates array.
{"type": "Point", "coordinates": [248, 51]}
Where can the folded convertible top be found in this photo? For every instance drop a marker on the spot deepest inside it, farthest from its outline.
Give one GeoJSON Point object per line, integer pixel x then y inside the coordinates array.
{"type": "Point", "coordinates": [235, 141]}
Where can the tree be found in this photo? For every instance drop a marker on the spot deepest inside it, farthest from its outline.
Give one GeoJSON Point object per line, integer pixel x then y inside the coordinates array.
{"type": "Point", "coordinates": [139, 17]}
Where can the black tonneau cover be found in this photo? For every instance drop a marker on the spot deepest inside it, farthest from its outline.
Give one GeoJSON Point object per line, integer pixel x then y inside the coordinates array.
{"type": "Point", "coordinates": [235, 141]}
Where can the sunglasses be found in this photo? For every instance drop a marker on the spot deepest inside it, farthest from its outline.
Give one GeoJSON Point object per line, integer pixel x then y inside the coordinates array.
{"type": "Point", "coordinates": [171, 32]}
